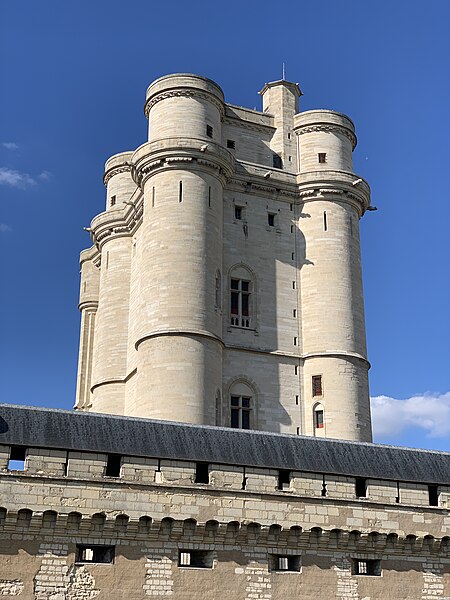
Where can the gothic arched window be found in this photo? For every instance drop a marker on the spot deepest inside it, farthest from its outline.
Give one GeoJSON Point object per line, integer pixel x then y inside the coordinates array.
{"type": "Point", "coordinates": [318, 417]}
{"type": "Point", "coordinates": [242, 406]}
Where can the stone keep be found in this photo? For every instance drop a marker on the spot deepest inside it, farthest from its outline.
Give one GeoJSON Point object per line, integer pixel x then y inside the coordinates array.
{"type": "Point", "coordinates": [224, 283]}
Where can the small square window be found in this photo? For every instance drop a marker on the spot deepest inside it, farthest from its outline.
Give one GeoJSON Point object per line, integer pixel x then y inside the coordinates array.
{"type": "Point", "coordinates": [271, 220]}
{"type": "Point", "coordinates": [367, 567]}
{"type": "Point", "coordinates": [284, 563]}
{"type": "Point", "coordinates": [322, 157]}
{"type": "Point", "coordinates": [317, 385]}
{"type": "Point", "coordinates": [94, 554]}
{"type": "Point", "coordinates": [200, 559]}
{"type": "Point", "coordinates": [113, 200]}
{"type": "Point", "coordinates": [238, 213]}
{"type": "Point", "coordinates": [284, 479]}
{"type": "Point", "coordinates": [17, 457]}
{"type": "Point", "coordinates": [209, 131]}
{"type": "Point", "coordinates": [231, 144]}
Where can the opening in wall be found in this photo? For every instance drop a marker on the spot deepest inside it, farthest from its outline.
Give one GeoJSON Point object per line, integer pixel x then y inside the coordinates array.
{"type": "Point", "coordinates": [17, 456]}
{"type": "Point", "coordinates": [113, 465]}
{"type": "Point", "coordinates": [322, 157]}
{"type": "Point", "coordinates": [95, 554]}
{"type": "Point", "coordinates": [200, 559]}
{"type": "Point", "coordinates": [366, 567]}
{"type": "Point", "coordinates": [284, 479]}
{"type": "Point", "coordinates": [113, 200]}
{"type": "Point", "coordinates": [231, 144]}
{"type": "Point", "coordinates": [279, 562]}
{"type": "Point", "coordinates": [318, 417]}
{"type": "Point", "coordinates": [201, 472]}
{"type": "Point", "coordinates": [317, 385]}
{"type": "Point", "coordinates": [433, 495]}
{"type": "Point", "coordinates": [180, 192]}
{"type": "Point", "coordinates": [240, 408]}
{"type": "Point", "coordinates": [238, 213]}
{"type": "Point", "coordinates": [240, 302]}
{"type": "Point", "coordinates": [361, 487]}
{"type": "Point", "coordinates": [209, 131]}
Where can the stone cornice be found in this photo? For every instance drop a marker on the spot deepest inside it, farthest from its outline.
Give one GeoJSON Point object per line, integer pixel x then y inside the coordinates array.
{"type": "Point", "coordinates": [118, 223]}
{"type": "Point", "coordinates": [184, 93]}
{"type": "Point", "coordinates": [115, 171]}
{"type": "Point", "coordinates": [236, 122]}
{"type": "Point", "coordinates": [335, 128]}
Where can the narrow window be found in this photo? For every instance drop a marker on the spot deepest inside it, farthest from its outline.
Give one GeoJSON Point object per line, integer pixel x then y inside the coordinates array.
{"type": "Point", "coordinates": [351, 225]}
{"type": "Point", "coordinates": [113, 200]}
{"type": "Point", "coordinates": [238, 213]}
{"type": "Point", "coordinates": [366, 567]}
{"type": "Point", "coordinates": [294, 313]}
{"type": "Point", "coordinates": [240, 303]}
{"type": "Point", "coordinates": [322, 157]}
{"type": "Point", "coordinates": [284, 563]}
{"type": "Point", "coordinates": [94, 554]}
{"type": "Point", "coordinates": [289, 136]}
{"type": "Point", "coordinates": [277, 162]}
{"type": "Point", "coordinates": [324, 486]}
{"type": "Point", "coordinates": [271, 219]}
{"type": "Point", "coordinates": [231, 144]}
{"type": "Point", "coordinates": [325, 225]}
{"type": "Point", "coordinates": [201, 473]}
{"type": "Point", "coordinates": [317, 385]}
{"type": "Point", "coordinates": [17, 455]}
{"type": "Point", "coordinates": [209, 131]}
{"type": "Point", "coordinates": [240, 409]}
{"type": "Point", "coordinates": [113, 465]}
{"type": "Point", "coordinates": [153, 196]}
{"type": "Point", "coordinates": [200, 559]}
{"type": "Point", "coordinates": [291, 207]}
{"type": "Point", "coordinates": [318, 418]}
{"type": "Point", "coordinates": [293, 285]}
{"type": "Point", "coordinates": [433, 495]}
{"type": "Point", "coordinates": [180, 192]}
{"type": "Point", "coordinates": [284, 479]}
{"type": "Point", "coordinates": [296, 369]}
{"type": "Point", "coordinates": [295, 341]}
{"type": "Point", "coordinates": [298, 430]}
{"type": "Point", "coordinates": [290, 158]}
{"type": "Point", "coordinates": [292, 229]}
{"type": "Point", "coordinates": [397, 497]}
{"type": "Point", "coordinates": [292, 256]}
{"type": "Point", "coordinates": [209, 196]}
{"type": "Point", "coordinates": [361, 487]}
{"type": "Point", "coordinates": [296, 400]}
{"type": "Point", "coordinates": [218, 291]}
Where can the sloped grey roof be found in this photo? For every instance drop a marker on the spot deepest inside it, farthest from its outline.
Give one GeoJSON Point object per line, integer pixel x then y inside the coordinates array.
{"type": "Point", "coordinates": [51, 428]}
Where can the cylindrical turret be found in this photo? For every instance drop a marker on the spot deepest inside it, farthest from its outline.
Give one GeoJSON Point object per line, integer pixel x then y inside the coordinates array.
{"type": "Point", "coordinates": [89, 292]}
{"type": "Point", "coordinates": [335, 374]}
{"type": "Point", "coordinates": [118, 181]}
{"type": "Point", "coordinates": [182, 171]}
{"type": "Point", "coordinates": [109, 368]}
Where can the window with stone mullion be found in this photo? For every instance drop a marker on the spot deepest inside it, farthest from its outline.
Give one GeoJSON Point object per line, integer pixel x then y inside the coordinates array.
{"type": "Point", "coordinates": [240, 303]}
{"type": "Point", "coordinates": [240, 412]}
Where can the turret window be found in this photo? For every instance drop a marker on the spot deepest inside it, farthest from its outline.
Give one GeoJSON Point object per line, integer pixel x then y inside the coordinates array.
{"type": "Point", "coordinates": [209, 131]}
{"type": "Point", "coordinates": [322, 157]}
{"type": "Point", "coordinates": [317, 385]}
{"type": "Point", "coordinates": [240, 412]}
{"type": "Point", "coordinates": [113, 200]}
{"type": "Point", "coordinates": [231, 144]}
{"type": "Point", "coordinates": [238, 213]}
{"type": "Point", "coordinates": [319, 421]}
{"type": "Point", "coordinates": [240, 302]}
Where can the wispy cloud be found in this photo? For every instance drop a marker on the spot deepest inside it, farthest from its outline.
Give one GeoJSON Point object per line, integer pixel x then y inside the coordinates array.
{"type": "Point", "coordinates": [20, 180]}
{"type": "Point", "coordinates": [429, 412]}
{"type": "Point", "coordinates": [4, 228]}
{"type": "Point", "coordinates": [10, 145]}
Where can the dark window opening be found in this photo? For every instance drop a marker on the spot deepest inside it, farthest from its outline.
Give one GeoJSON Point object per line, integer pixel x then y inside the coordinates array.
{"type": "Point", "coordinates": [325, 224]}
{"type": "Point", "coordinates": [240, 303]}
{"type": "Point", "coordinates": [200, 559]}
{"type": "Point", "coordinates": [113, 200]}
{"type": "Point", "coordinates": [290, 158]}
{"type": "Point", "coordinates": [324, 487]}
{"type": "Point", "coordinates": [285, 563]}
{"type": "Point", "coordinates": [367, 567]}
{"type": "Point", "coordinates": [397, 497]}
{"type": "Point", "coordinates": [277, 163]}
{"type": "Point", "coordinates": [240, 412]}
{"type": "Point", "coordinates": [238, 213]}
{"type": "Point", "coordinates": [284, 479]}
{"type": "Point", "coordinates": [271, 220]}
{"type": "Point", "coordinates": [361, 487]}
{"type": "Point", "coordinates": [209, 196]}
{"type": "Point", "coordinates": [95, 554]}
{"type": "Point", "coordinates": [113, 465]}
{"type": "Point", "coordinates": [17, 455]}
{"type": "Point", "coordinates": [180, 192]}
{"type": "Point", "coordinates": [153, 196]}
{"type": "Point", "coordinates": [317, 385]}
{"type": "Point", "coordinates": [296, 400]}
{"type": "Point", "coordinates": [231, 144]}
{"type": "Point", "coordinates": [201, 473]}
{"type": "Point", "coordinates": [322, 157]}
{"type": "Point", "coordinates": [318, 419]}
{"type": "Point", "coordinates": [209, 131]}
{"type": "Point", "coordinates": [433, 495]}
{"type": "Point", "coordinates": [289, 136]}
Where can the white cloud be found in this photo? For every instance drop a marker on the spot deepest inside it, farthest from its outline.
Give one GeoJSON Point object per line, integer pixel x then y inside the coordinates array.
{"type": "Point", "coordinates": [10, 145]}
{"type": "Point", "coordinates": [21, 180]}
{"type": "Point", "coordinates": [4, 228]}
{"type": "Point", "coordinates": [428, 411]}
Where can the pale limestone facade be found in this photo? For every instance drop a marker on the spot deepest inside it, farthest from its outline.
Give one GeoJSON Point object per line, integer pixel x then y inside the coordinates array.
{"type": "Point", "coordinates": [222, 194]}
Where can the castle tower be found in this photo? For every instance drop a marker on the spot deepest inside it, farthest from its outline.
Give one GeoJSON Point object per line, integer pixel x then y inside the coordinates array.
{"type": "Point", "coordinates": [224, 284]}
{"type": "Point", "coordinates": [333, 199]}
{"type": "Point", "coordinates": [181, 170]}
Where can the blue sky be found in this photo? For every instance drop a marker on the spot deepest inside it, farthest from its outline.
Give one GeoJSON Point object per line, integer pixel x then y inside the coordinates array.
{"type": "Point", "coordinates": [73, 80]}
